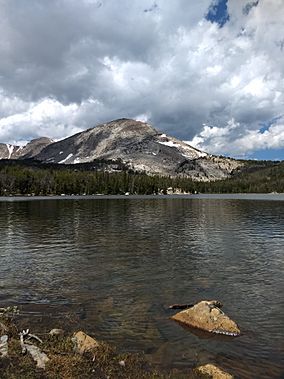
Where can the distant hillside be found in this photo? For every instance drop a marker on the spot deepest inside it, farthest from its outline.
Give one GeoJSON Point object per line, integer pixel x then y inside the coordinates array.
{"type": "Point", "coordinates": [254, 177]}
{"type": "Point", "coordinates": [30, 150]}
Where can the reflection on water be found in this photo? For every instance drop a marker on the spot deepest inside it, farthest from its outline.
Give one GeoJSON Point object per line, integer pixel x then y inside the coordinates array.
{"type": "Point", "coordinates": [117, 264]}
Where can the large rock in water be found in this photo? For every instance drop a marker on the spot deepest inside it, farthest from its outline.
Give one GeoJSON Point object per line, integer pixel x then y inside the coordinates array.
{"type": "Point", "coordinates": [207, 315]}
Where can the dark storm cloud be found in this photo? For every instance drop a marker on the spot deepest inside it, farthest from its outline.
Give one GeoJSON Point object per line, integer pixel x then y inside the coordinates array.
{"type": "Point", "coordinates": [54, 47]}
{"type": "Point", "coordinates": [67, 65]}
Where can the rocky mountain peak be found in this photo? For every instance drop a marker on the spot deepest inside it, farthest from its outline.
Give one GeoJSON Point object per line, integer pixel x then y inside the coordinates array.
{"type": "Point", "coordinates": [35, 146]}
{"type": "Point", "coordinates": [41, 140]}
{"type": "Point", "coordinates": [138, 145]}
{"type": "Point", "coordinates": [126, 126]}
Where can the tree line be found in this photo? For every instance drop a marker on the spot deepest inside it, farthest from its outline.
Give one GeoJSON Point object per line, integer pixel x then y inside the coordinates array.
{"type": "Point", "coordinates": [33, 178]}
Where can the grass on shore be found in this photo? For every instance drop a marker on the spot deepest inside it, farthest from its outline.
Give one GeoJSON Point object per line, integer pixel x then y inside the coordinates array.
{"type": "Point", "coordinates": [64, 363]}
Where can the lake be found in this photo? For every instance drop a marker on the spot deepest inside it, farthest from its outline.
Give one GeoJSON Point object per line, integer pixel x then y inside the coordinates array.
{"type": "Point", "coordinates": [112, 265]}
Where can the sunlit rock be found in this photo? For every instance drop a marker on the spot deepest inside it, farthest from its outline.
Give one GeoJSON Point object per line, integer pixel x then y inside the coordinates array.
{"type": "Point", "coordinates": [210, 371]}
{"type": "Point", "coordinates": [84, 343]}
{"type": "Point", "coordinates": [207, 315]}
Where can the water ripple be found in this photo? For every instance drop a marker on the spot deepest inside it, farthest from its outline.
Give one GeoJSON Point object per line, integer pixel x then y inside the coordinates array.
{"type": "Point", "coordinates": [115, 265]}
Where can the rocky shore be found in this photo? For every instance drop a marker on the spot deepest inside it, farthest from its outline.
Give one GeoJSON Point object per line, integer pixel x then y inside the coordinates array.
{"type": "Point", "coordinates": [58, 354]}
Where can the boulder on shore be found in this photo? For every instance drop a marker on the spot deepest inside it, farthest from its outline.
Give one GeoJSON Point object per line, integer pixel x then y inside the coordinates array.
{"type": "Point", "coordinates": [207, 316]}
{"type": "Point", "coordinates": [84, 343]}
{"type": "Point", "coordinates": [210, 371]}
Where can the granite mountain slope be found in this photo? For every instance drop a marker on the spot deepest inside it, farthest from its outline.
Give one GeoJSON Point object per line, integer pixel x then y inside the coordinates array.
{"type": "Point", "coordinates": [140, 147]}
{"type": "Point", "coordinates": [30, 150]}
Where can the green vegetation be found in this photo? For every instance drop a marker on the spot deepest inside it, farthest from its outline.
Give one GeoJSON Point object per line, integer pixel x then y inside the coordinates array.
{"type": "Point", "coordinates": [27, 178]}
{"type": "Point", "coordinates": [255, 177]}
{"type": "Point", "coordinates": [35, 178]}
{"type": "Point", "coordinates": [65, 363]}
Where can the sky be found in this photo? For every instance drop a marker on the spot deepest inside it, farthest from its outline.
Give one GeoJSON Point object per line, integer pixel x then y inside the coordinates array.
{"type": "Point", "coordinates": [210, 72]}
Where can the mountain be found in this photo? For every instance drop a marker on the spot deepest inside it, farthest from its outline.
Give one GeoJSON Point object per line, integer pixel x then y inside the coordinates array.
{"type": "Point", "coordinates": [141, 148]}
{"type": "Point", "coordinates": [30, 150]}
{"type": "Point", "coordinates": [138, 145]}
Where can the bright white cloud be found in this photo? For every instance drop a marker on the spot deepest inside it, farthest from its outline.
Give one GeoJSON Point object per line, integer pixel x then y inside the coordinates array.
{"type": "Point", "coordinates": [142, 117]}
{"type": "Point", "coordinates": [44, 118]}
{"type": "Point", "coordinates": [156, 60]}
{"type": "Point", "coordinates": [242, 142]}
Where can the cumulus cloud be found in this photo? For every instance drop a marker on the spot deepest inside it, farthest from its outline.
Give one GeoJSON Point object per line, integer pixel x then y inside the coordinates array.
{"type": "Point", "coordinates": [67, 65]}
{"type": "Point", "coordinates": [233, 140]}
{"type": "Point", "coordinates": [47, 117]}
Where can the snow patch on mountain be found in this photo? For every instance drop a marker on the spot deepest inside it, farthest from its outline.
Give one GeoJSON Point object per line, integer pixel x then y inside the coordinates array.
{"type": "Point", "coordinates": [10, 150]}
{"type": "Point", "coordinates": [169, 143]}
{"type": "Point", "coordinates": [67, 158]}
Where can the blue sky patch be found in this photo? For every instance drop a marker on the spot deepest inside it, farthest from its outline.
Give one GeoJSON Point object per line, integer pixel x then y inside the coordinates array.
{"type": "Point", "coordinates": [268, 154]}
{"type": "Point", "coordinates": [218, 12]}
{"type": "Point", "coordinates": [266, 125]}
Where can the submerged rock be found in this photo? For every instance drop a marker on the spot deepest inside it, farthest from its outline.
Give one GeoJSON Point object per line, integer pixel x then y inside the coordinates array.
{"type": "Point", "coordinates": [211, 371]}
{"type": "Point", "coordinates": [206, 315]}
{"type": "Point", "coordinates": [84, 343]}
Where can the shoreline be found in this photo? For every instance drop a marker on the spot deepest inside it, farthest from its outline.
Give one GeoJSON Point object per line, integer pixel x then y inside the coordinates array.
{"type": "Point", "coordinates": [216, 196]}
{"type": "Point", "coordinates": [71, 355]}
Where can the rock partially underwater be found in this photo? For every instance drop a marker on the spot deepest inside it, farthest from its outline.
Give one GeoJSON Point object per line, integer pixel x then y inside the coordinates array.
{"type": "Point", "coordinates": [210, 371]}
{"type": "Point", "coordinates": [207, 316]}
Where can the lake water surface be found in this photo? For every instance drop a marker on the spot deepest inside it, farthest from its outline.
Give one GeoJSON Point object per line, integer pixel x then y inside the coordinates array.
{"type": "Point", "coordinates": [113, 265]}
